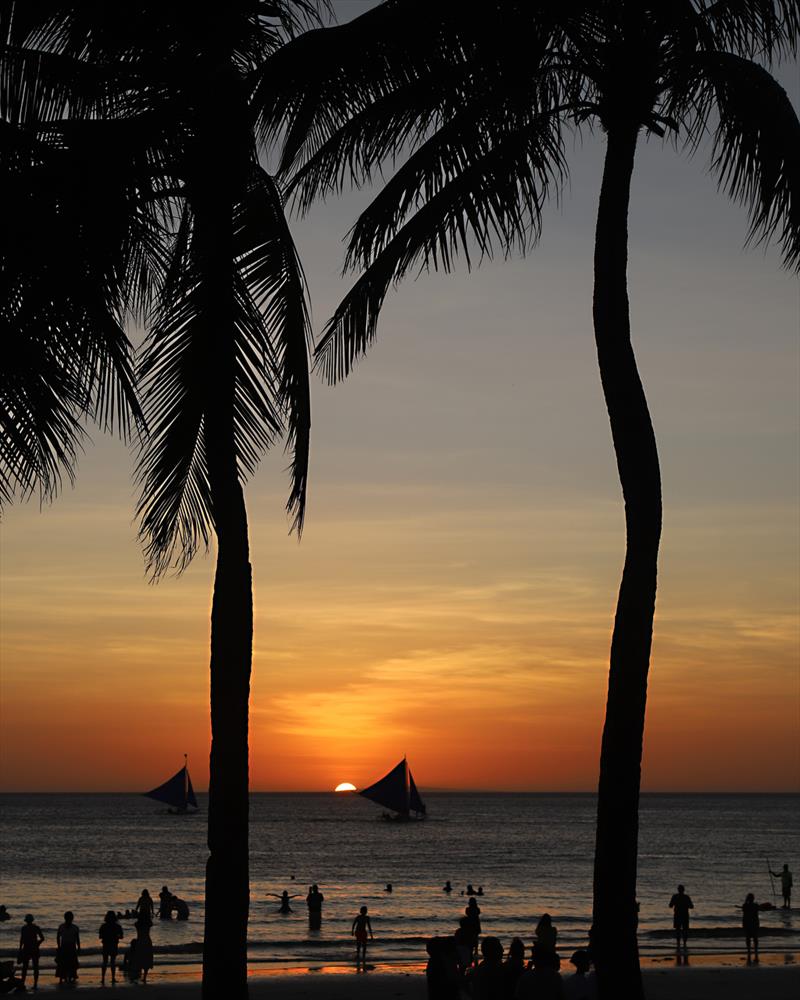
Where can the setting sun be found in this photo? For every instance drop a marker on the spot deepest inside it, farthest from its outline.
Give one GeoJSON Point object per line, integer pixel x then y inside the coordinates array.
{"type": "Point", "coordinates": [345, 786]}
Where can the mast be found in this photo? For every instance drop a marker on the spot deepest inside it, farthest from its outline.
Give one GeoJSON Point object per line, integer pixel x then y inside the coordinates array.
{"type": "Point", "coordinates": [408, 785]}
{"type": "Point", "coordinates": [185, 781]}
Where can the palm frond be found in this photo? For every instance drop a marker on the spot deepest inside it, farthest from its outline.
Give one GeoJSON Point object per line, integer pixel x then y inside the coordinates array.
{"type": "Point", "coordinates": [495, 198]}
{"type": "Point", "coordinates": [763, 28]}
{"type": "Point", "coordinates": [756, 153]}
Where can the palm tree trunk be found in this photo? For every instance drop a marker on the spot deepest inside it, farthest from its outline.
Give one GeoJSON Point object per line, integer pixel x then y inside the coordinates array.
{"type": "Point", "coordinates": [614, 943]}
{"type": "Point", "coordinates": [227, 869]}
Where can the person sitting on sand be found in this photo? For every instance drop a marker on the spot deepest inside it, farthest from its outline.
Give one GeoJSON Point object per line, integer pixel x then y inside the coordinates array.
{"type": "Point", "coordinates": [546, 935]}
{"type": "Point", "coordinates": [441, 972]}
{"type": "Point", "coordinates": [284, 897]}
{"type": "Point", "coordinates": [513, 967]}
{"type": "Point", "coordinates": [786, 885]}
{"type": "Point", "coordinates": [68, 946]}
{"type": "Point", "coordinates": [4, 914]}
{"type": "Point", "coordinates": [542, 981]}
{"type": "Point", "coordinates": [750, 925]}
{"type": "Point", "coordinates": [359, 929]}
{"type": "Point", "coordinates": [487, 982]}
{"type": "Point", "coordinates": [145, 907]}
{"type": "Point", "coordinates": [680, 905]}
{"type": "Point", "coordinates": [110, 934]}
{"type": "Point", "coordinates": [582, 985]}
{"type": "Point", "coordinates": [30, 938]}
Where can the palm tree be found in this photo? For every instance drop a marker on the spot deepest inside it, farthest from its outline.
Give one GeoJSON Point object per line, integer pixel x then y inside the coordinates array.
{"type": "Point", "coordinates": [63, 300]}
{"type": "Point", "coordinates": [473, 102]}
{"type": "Point", "coordinates": [224, 370]}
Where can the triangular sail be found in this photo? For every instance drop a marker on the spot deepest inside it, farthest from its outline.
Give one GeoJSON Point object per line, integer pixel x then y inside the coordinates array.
{"type": "Point", "coordinates": [177, 791]}
{"type": "Point", "coordinates": [396, 791]}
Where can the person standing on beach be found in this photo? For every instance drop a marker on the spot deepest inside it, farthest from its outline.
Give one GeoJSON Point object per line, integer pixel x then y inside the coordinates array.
{"type": "Point", "coordinates": [750, 925]}
{"type": "Point", "coordinates": [546, 935]}
{"type": "Point", "coordinates": [68, 947]}
{"type": "Point", "coordinates": [361, 926]}
{"type": "Point", "coordinates": [314, 901]}
{"type": "Point", "coordinates": [143, 952]}
{"type": "Point", "coordinates": [30, 938]}
{"type": "Point", "coordinates": [680, 905]}
{"type": "Point", "coordinates": [145, 907]}
{"type": "Point", "coordinates": [786, 885]}
{"type": "Point", "coordinates": [110, 934]}
{"type": "Point", "coordinates": [473, 915]}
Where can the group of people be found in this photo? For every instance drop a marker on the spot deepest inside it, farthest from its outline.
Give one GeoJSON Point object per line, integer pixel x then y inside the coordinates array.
{"type": "Point", "coordinates": [457, 963]}
{"type": "Point", "coordinates": [137, 960]}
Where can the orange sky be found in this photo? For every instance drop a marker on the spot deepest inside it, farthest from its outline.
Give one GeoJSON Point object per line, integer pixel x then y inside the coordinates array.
{"type": "Point", "coordinates": [452, 598]}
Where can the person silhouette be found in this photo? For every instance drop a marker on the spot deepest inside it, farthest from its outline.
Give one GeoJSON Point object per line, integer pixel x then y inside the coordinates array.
{"type": "Point", "coordinates": [680, 905]}
{"type": "Point", "coordinates": [360, 928]}
{"type": "Point", "coordinates": [314, 901]}
{"type": "Point", "coordinates": [469, 890]}
{"type": "Point", "coordinates": [110, 934]}
{"type": "Point", "coordinates": [487, 980]}
{"type": "Point", "coordinates": [165, 904]}
{"type": "Point", "coordinates": [473, 914]}
{"type": "Point", "coordinates": [546, 935]}
{"type": "Point", "coordinates": [4, 914]}
{"type": "Point", "coordinates": [581, 985]}
{"type": "Point", "coordinates": [513, 967]}
{"type": "Point", "coordinates": [30, 938]}
{"type": "Point", "coordinates": [143, 952]}
{"type": "Point", "coordinates": [284, 897]}
{"type": "Point", "coordinates": [68, 946]}
{"type": "Point", "coordinates": [145, 907]}
{"type": "Point", "coordinates": [750, 925]}
{"type": "Point", "coordinates": [447, 887]}
{"type": "Point", "coordinates": [786, 885]}
{"type": "Point", "coordinates": [441, 971]}
{"type": "Point", "coordinates": [388, 887]}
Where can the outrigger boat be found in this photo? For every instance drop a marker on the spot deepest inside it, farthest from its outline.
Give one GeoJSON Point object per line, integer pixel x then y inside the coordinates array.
{"type": "Point", "coordinates": [396, 791]}
{"type": "Point", "coordinates": [176, 792]}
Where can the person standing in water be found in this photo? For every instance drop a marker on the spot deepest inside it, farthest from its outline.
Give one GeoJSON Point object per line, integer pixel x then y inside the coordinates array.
{"type": "Point", "coordinates": [143, 952]}
{"type": "Point", "coordinates": [30, 938]}
{"type": "Point", "coordinates": [786, 885]}
{"type": "Point", "coordinates": [165, 904]}
{"type": "Point", "coordinates": [145, 908]}
{"type": "Point", "coordinates": [680, 904]}
{"type": "Point", "coordinates": [750, 925]}
{"type": "Point", "coordinates": [314, 901]}
{"type": "Point", "coordinates": [359, 930]}
{"type": "Point", "coordinates": [284, 897]}
{"type": "Point", "coordinates": [110, 934]}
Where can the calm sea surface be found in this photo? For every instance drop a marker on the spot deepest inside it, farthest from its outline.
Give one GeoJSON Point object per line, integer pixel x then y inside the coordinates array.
{"type": "Point", "coordinates": [531, 853]}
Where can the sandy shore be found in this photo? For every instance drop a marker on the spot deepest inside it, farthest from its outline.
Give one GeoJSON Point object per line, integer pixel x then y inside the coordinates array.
{"type": "Point", "coordinates": [756, 983]}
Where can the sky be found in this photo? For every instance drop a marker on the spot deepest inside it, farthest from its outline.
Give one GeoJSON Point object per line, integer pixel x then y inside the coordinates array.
{"type": "Point", "coordinates": [452, 597]}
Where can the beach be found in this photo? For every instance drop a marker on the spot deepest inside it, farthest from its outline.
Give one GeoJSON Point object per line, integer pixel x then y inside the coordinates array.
{"type": "Point", "coordinates": [701, 983]}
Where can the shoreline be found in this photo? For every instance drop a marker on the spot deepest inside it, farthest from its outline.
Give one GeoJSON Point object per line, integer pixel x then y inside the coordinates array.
{"type": "Point", "coordinates": [767, 981]}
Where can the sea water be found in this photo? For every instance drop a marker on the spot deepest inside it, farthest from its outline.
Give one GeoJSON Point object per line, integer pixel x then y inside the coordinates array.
{"type": "Point", "coordinates": [531, 853]}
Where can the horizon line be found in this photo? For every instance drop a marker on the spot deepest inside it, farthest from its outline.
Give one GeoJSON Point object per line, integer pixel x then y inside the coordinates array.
{"type": "Point", "coordinates": [427, 790]}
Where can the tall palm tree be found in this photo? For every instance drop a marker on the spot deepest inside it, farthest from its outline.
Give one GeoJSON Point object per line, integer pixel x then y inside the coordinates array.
{"type": "Point", "coordinates": [224, 370]}
{"type": "Point", "coordinates": [63, 264]}
{"type": "Point", "coordinates": [473, 102]}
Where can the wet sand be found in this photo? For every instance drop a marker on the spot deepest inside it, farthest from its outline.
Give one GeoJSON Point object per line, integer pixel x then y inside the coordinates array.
{"type": "Point", "coordinates": [766, 982]}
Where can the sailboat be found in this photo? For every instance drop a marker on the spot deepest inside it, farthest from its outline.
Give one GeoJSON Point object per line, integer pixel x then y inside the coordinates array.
{"type": "Point", "coordinates": [396, 791]}
{"type": "Point", "coordinates": [176, 792]}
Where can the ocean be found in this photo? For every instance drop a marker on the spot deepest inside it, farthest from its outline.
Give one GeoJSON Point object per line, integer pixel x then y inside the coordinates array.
{"type": "Point", "coordinates": [531, 853]}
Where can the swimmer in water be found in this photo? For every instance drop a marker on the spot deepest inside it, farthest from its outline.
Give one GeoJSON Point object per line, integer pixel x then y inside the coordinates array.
{"type": "Point", "coordinates": [447, 887]}
{"type": "Point", "coordinates": [388, 887]}
{"type": "Point", "coordinates": [284, 897]}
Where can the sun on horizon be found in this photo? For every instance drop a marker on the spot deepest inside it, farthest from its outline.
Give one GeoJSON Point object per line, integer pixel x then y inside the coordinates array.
{"type": "Point", "coordinates": [345, 786]}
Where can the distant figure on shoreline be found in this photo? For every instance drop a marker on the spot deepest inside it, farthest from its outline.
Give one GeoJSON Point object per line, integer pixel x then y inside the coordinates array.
{"type": "Point", "coordinates": [284, 897]}
{"type": "Point", "coordinates": [359, 929]}
{"type": "Point", "coordinates": [786, 885]}
{"type": "Point", "coordinates": [145, 907]}
{"type": "Point", "coordinates": [4, 914]}
{"type": "Point", "coordinates": [750, 925]}
{"type": "Point", "coordinates": [445, 888]}
{"type": "Point", "coordinates": [314, 901]}
{"type": "Point", "coordinates": [165, 904]}
{"type": "Point", "coordinates": [142, 952]}
{"type": "Point", "coordinates": [30, 938]}
{"type": "Point", "coordinates": [68, 946]}
{"type": "Point", "coordinates": [680, 904]}
{"type": "Point", "coordinates": [110, 934]}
